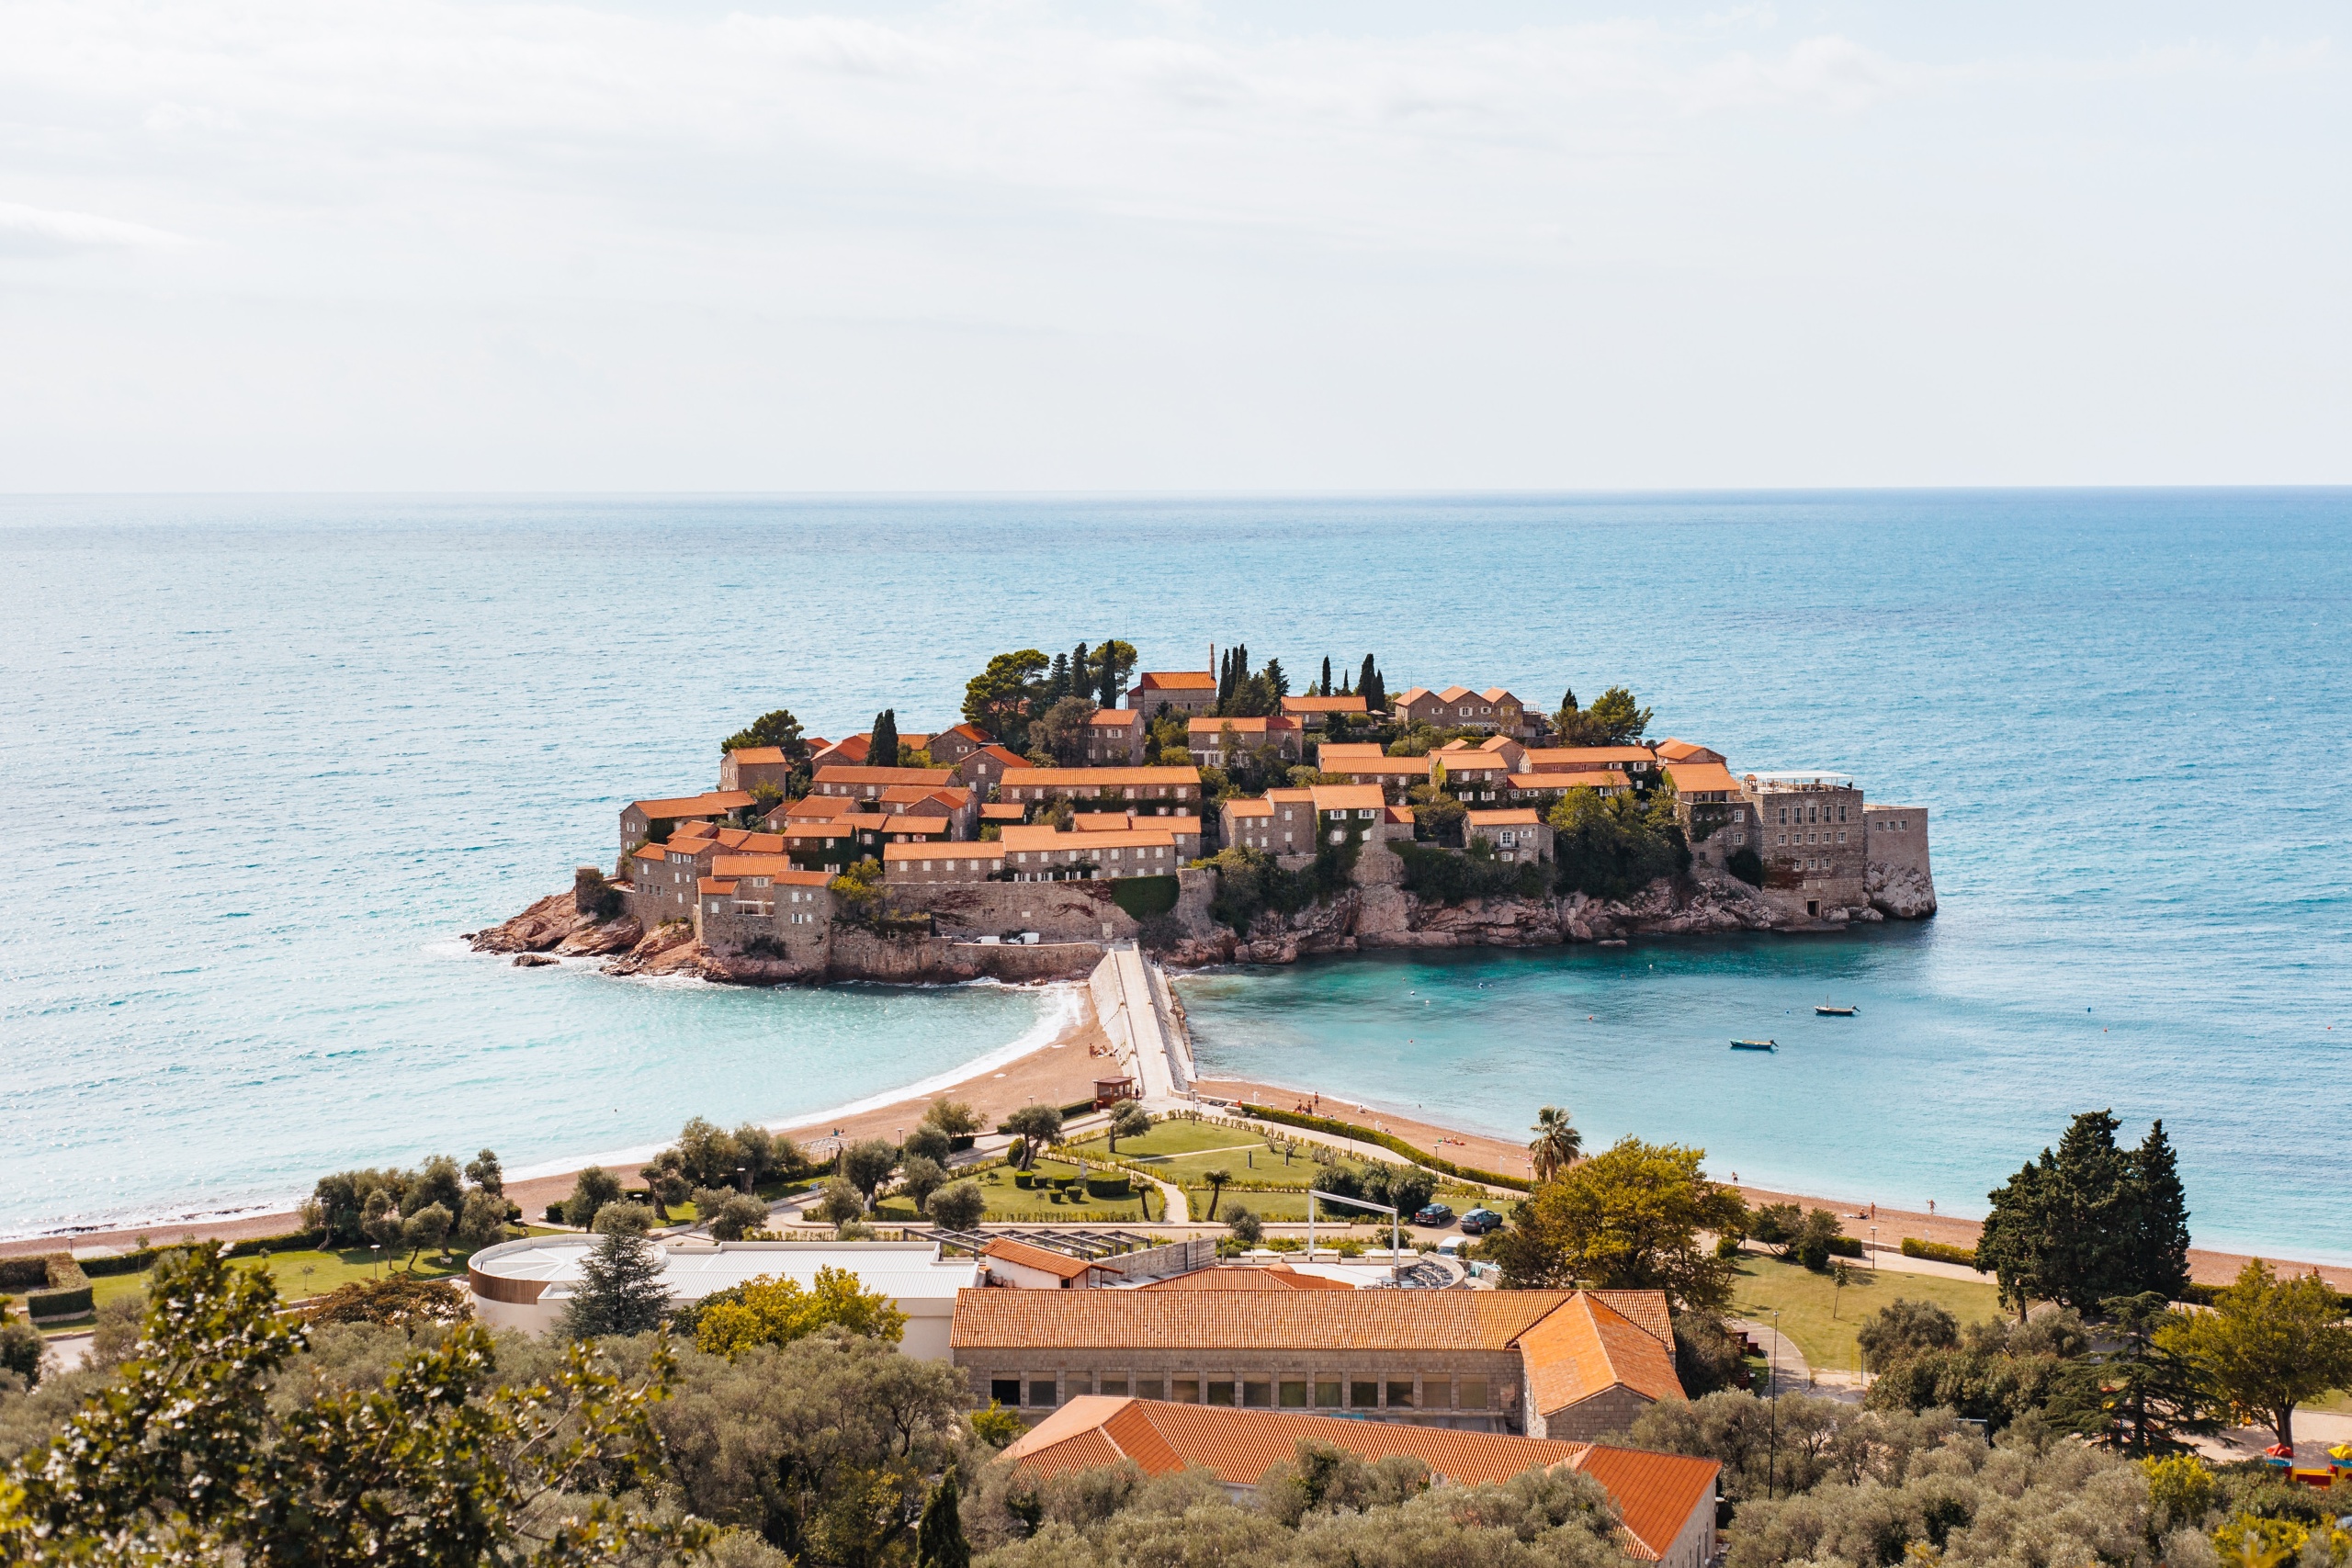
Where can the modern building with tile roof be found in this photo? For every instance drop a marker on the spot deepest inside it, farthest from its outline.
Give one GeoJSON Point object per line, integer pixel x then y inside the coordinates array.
{"type": "Point", "coordinates": [1666, 1503]}
{"type": "Point", "coordinates": [1542, 1363]}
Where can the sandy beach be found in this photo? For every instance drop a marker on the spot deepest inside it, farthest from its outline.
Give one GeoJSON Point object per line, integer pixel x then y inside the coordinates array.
{"type": "Point", "coordinates": [1058, 1072]}
{"type": "Point", "coordinates": [1483, 1153]}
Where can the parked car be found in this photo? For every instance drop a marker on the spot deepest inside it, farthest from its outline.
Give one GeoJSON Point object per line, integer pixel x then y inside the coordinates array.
{"type": "Point", "coordinates": [1435, 1214]}
{"type": "Point", "coordinates": [1478, 1221]}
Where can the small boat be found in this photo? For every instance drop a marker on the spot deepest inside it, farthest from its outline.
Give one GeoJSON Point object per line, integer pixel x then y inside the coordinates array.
{"type": "Point", "coordinates": [1832, 1010]}
{"type": "Point", "coordinates": [1755, 1045]}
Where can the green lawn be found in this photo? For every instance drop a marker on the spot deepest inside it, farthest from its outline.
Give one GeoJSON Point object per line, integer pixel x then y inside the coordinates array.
{"type": "Point", "coordinates": [1039, 1200]}
{"type": "Point", "coordinates": [1180, 1137]}
{"type": "Point", "coordinates": [1806, 1303]}
{"type": "Point", "coordinates": [298, 1274]}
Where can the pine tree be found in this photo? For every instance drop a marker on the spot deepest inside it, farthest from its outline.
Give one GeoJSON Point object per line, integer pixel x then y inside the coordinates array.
{"type": "Point", "coordinates": [620, 1289]}
{"type": "Point", "coordinates": [882, 746]}
{"type": "Point", "coordinates": [939, 1534]}
{"type": "Point", "coordinates": [2160, 1233]}
{"type": "Point", "coordinates": [1082, 675]}
{"type": "Point", "coordinates": [1057, 680]}
{"type": "Point", "coordinates": [1323, 688]}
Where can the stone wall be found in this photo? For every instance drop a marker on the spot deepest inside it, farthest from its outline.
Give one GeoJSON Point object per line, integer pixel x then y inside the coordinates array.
{"type": "Point", "coordinates": [1056, 911]}
{"type": "Point", "coordinates": [1900, 880]}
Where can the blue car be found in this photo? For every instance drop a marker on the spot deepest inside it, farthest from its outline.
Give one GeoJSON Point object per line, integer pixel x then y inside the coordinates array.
{"type": "Point", "coordinates": [1435, 1214]}
{"type": "Point", "coordinates": [1478, 1221]}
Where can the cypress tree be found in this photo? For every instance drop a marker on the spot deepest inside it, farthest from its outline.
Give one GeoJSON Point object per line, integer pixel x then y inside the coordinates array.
{"type": "Point", "coordinates": [2159, 1259]}
{"type": "Point", "coordinates": [620, 1289]}
{"type": "Point", "coordinates": [1323, 688]}
{"type": "Point", "coordinates": [1224, 680]}
{"type": "Point", "coordinates": [939, 1534]}
{"type": "Point", "coordinates": [882, 747]}
{"type": "Point", "coordinates": [1082, 675]}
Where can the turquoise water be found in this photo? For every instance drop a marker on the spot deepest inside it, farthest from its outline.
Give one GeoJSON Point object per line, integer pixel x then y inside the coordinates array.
{"type": "Point", "coordinates": [266, 758]}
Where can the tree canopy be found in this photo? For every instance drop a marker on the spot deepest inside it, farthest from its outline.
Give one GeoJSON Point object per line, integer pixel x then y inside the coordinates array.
{"type": "Point", "coordinates": [778, 730]}
{"type": "Point", "coordinates": [1613, 719]}
{"type": "Point", "coordinates": [998, 699]}
{"type": "Point", "coordinates": [2267, 1346]}
{"type": "Point", "coordinates": [2090, 1220]}
{"type": "Point", "coordinates": [1613, 848]}
{"type": "Point", "coordinates": [771, 1311]}
{"type": "Point", "coordinates": [1628, 1218]}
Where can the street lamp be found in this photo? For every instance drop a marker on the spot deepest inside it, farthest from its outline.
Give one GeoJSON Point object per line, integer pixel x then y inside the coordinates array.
{"type": "Point", "coordinates": [1874, 1246]}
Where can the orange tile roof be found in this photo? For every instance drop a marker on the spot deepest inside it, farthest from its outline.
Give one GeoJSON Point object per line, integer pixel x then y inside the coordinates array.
{"type": "Point", "coordinates": [907, 822]}
{"type": "Point", "coordinates": [1176, 681]}
{"type": "Point", "coordinates": [1290, 797]}
{"type": "Point", "coordinates": [685, 831]}
{"type": "Point", "coordinates": [983, 850]}
{"type": "Point", "coordinates": [1240, 1446]}
{"type": "Point", "coordinates": [1561, 759]}
{"type": "Point", "coordinates": [971, 732]}
{"type": "Point", "coordinates": [1003, 813]}
{"type": "Point", "coordinates": [1099, 821]}
{"type": "Point", "coordinates": [716, 803]}
{"type": "Point", "coordinates": [1011, 758]}
{"type": "Point", "coordinates": [931, 776]}
{"type": "Point", "coordinates": [813, 832]}
{"type": "Point", "coordinates": [749, 842]}
{"type": "Point", "coordinates": [1399, 814]}
{"type": "Point", "coordinates": [1523, 818]}
{"type": "Point", "coordinates": [1270, 724]}
{"type": "Point", "coordinates": [1645, 1310]}
{"type": "Point", "coordinates": [1058, 1264]}
{"type": "Point", "coordinates": [1587, 1348]}
{"type": "Point", "coordinates": [1498, 695]}
{"type": "Point", "coordinates": [1590, 778]}
{"type": "Point", "coordinates": [1673, 750]}
{"type": "Point", "coordinates": [1099, 778]}
{"type": "Point", "coordinates": [714, 885]}
{"type": "Point", "coordinates": [817, 807]}
{"type": "Point", "coordinates": [1324, 705]}
{"type": "Point", "coordinates": [757, 754]}
{"type": "Point", "coordinates": [853, 747]}
{"type": "Point", "coordinates": [1121, 718]}
{"type": "Point", "coordinates": [1689, 777]}
{"type": "Point", "coordinates": [1381, 767]}
{"type": "Point", "coordinates": [1347, 797]}
{"type": "Point", "coordinates": [1656, 1493]}
{"type": "Point", "coordinates": [1329, 752]}
{"type": "Point", "coordinates": [1272, 1277]}
{"type": "Point", "coordinates": [775, 868]}
{"type": "Point", "coordinates": [1250, 806]}
{"type": "Point", "coordinates": [1219, 1320]}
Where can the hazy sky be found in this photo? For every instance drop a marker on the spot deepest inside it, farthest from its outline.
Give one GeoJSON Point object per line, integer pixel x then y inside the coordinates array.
{"type": "Point", "coordinates": [290, 245]}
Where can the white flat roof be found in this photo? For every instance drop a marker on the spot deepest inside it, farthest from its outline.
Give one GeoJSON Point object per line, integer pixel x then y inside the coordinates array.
{"type": "Point", "coordinates": [1802, 775]}
{"type": "Point", "coordinates": [902, 1271]}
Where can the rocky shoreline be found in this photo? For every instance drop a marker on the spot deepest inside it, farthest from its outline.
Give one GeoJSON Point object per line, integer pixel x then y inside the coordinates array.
{"type": "Point", "coordinates": [1374, 911]}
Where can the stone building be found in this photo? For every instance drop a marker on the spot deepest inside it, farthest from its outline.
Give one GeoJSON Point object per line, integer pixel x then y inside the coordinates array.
{"type": "Point", "coordinates": [640, 818]}
{"type": "Point", "coordinates": [1116, 737]}
{"type": "Point", "coordinates": [867, 783]}
{"type": "Point", "coordinates": [1280, 822]}
{"type": "Point", "coordinates": [1541, 790]}
{"type": "Point", "coordinates": [951, 746]}
{"type": "Point", "coordinates": [1458, 707]}
{"type": "Point", "coordinates": [1358, 813]}
{"type": "Point", "coordinates": [942, 861]}
{"type": "Point", "coordinates": [984, 768]}
{"type": "Point", "coordinates": [765, 899]}
{"type": "Point", "coordinates": [1152, 791]}
{"type": "Point", "coordinates": [1900, 880]}
{"type": "Point", "coordinates": [1541, 1363]}
{"type": "Point", "coordinates": [1665, 1503]}
{"type": "Point", "coordinates": [1517, 834]}
{"type": "Point", "coordinates": [1314, 712]}
{"type": "Point", "coordinates": [1185, 692]}
{"type": "Point", "coordinates": [1475, 778]}
{"type": "Point", "coordinates": [1393, 776]}
{"type": "Point", "coordinates": [1809, 832]}
{"type": "Point", "coordinates": [749, 767]}
{"type": "Point", "coordinates": [1208, 739]}
{"type": "Point", "coordinates": [1635, 762]}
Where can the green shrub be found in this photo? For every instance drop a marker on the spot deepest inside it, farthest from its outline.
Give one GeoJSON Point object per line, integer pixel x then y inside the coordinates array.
{"type": "Point", "coordinates": [1745, 864]}
{"type": "Point", "coordinates": [25, 1273]}
{"type": "Point", "coordinates": [1451, 877]}
{"type": "Point", "coordinates": [69, 1291]}
{"type": "Point", "coordinates": [1386, 1140]}
{"type": "Point", "coordinates": [1939, 1251]}
{"type": "Point", "coordinates": [1108, 1187]}
{"type": "Point", "coordinates": [1144, 897]}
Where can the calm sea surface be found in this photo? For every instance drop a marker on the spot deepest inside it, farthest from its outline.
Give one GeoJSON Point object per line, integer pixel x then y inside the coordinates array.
{"type": "Point", "coordinates": [265, 759]}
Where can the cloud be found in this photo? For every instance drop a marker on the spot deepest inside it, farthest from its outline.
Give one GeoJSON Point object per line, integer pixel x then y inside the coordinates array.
{"type": "Point", "coordinates": [36, 231]}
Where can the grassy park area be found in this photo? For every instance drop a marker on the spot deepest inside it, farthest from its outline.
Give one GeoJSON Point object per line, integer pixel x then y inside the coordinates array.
{"type": "Point", "coordinates": [298, 1274]}
{"type": "Point", "coordinates": [1822, 1319]}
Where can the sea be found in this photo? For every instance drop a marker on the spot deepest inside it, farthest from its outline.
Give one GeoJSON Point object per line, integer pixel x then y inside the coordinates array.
{"type": "Point", "coordinates": [267, 759]}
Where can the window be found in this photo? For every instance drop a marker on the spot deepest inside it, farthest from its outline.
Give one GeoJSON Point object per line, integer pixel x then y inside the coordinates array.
{"type": "Point", "coordinates": [1004, 1391]}
{"type": "Point", "coordinates": [1293, 1393]}
{"type": "Point", "coordinates": [1400, 1394]}
{"type": "Point", "coordinates": [1258, 1393]}
{"type": "Point", "coordinates": [1841, 835]}
{"type": "Point", "coordinates": [1184, 1391]}
{"type": "Point", "coordinates": [1221, 1391]}
{"type": "Point", "coordinates": [1327, 1395]}
{"type": "Point", "coordinates": [1041, 1392]}
{"type": "Point", "coordinates": [1471, 1394]}
{"type": "Point", "coordinates": [1364, 1395]}
{"type": "Point", "coordinates": [1781, 840]}
{"type": "Point", "coordinates": [1114, 1385]}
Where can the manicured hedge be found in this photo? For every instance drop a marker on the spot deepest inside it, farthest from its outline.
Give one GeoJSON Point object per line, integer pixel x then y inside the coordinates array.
{"type": "Point", "coordinates": [25, 1273]}
{"type": "Point", "coordinates": [1390, 1141]}
{"type": "Point", "coordinates": [1846, 1246]}
{"type": "Point", "coordinates": [1939, 1251]}
{"type": "Point", "coordinates": [69, 1292]}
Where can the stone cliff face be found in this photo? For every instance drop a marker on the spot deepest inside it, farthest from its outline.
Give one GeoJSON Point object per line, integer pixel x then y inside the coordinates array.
{"type": "Point", "coordinates": [1901, 892]}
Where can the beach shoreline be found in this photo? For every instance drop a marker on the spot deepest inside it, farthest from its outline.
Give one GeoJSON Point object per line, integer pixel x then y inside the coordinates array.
{"type": "Point", "coordinates": [1058, 1071]}
{"type": "Point", "coordinates": [1061, 1071]}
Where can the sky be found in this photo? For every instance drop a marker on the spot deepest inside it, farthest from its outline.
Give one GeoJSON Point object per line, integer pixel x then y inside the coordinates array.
{"type": "Point", "coordinates": [416, 245]}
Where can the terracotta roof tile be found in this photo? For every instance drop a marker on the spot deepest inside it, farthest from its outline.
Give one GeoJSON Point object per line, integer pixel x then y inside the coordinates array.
{"type": "Point", "coordinates": [1585, 1349]}
{"type": "Point", "coordinates": [1176, 681]}
{"type": "Point", "coordinates": [932, 777]}
{"type": "Point", "coordinates": [1324, 705]}
{"type": "Point", "coordinates": [1272, 1277]}
{"type": "Point", "coordinates": [1347, 797]}
{"type": "Point", "coordinates": [1568, 759]}
{"type": "Point", "coordinates": [1061, 1265]}
{"type": "Point", "coordinates": [1358, 1320]}
{"type": "Point", "coordinates": [1656, 1493]}
{"type": "Point", "coordinates": [716, 803]}
{"type": "Point", "coordinates": [1698, 777]}
{"type": "Point", "coordinates": [1523, 818]}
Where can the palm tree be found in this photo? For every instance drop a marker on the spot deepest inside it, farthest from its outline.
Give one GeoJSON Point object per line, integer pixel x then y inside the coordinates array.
{"type": "Point", "coordinates": [1557, 1142]}
{"type": "Point", "coordinates": [1216, 1181]}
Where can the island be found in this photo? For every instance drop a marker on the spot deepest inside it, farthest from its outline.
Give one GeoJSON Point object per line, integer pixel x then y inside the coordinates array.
{"type": "Point", "coordinates": [1215, 816]}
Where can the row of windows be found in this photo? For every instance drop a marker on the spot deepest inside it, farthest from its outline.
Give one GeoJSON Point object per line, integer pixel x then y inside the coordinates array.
{"type": "Point", "coordinates": [1785, 839]}
{"type": "Point", "coordinates": [1812, 814]}
{"type": "Point", "coordinates": [1042, 1391]}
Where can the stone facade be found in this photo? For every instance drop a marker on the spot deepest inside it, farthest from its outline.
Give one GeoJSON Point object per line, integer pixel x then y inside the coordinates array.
{"type": "Point", "coordinates": [1899, 879]}
{"type": "Point", "coordinates": [1809, 832]}
{"type": "Point", "coordinates": [1116, 737]}
{"type": "Point", "coordinates": [1476, 1391]}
